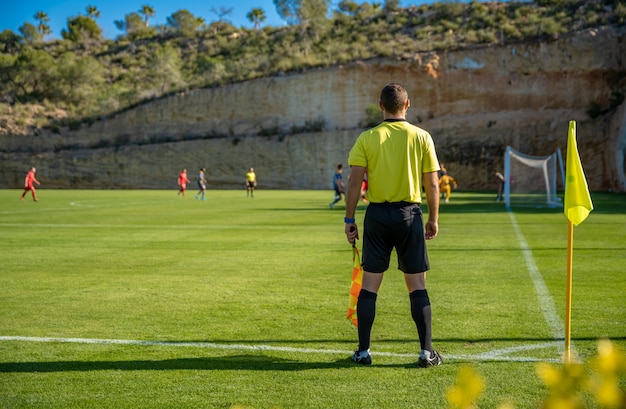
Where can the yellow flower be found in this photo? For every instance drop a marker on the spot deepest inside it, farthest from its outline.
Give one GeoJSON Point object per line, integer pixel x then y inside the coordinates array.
{"type": "Point", "coordinates": [608, 366]}
{"type": "Point", "coordinates": [608, 394]}
{"type": "Point", "coordinates": [610, 360]}
{"type": "Point", "coordinates": [549, 374]}
{"type": "Point", "coordinates": [564, 383]}
{"type": "Point", "coordinates": [566, 378]}
{"type": "Point", "coordinates": [469, 385]}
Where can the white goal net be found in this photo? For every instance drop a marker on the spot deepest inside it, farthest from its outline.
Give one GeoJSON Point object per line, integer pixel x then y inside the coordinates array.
{"type": "Point", "coordinates": [531, 180]}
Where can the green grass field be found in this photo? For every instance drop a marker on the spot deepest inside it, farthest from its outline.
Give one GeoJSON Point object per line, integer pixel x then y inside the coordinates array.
{"type": "Point", "coordinates": [142, 299]}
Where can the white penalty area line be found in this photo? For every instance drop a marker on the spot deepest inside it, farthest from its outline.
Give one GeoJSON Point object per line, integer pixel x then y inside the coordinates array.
{"type": "Point", "coordinates": [501, 355]}
{"type": "Point", "coordinates": [543, 294]}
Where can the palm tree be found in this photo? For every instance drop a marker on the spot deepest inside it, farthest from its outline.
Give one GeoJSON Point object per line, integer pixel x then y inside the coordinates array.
{"type": "Point", "coordinates": [93, 12]}
{"type": "Point", "coordinates": [221, 13]}
{"type": "Point", "coordinates": [147, 11]}
{"type": "Point", "coordinates": [42, 28]}
{"type": "Point", "coordinates": [256, 16]}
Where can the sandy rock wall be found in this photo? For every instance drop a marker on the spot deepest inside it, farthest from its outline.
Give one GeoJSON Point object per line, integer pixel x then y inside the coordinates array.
{"type": "Point", "coordinates": [305, 161]}
{"type": "Point", "coordinates": [294, 129]}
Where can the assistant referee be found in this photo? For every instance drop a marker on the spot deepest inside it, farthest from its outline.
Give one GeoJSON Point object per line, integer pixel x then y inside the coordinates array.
{"type": "Point", "coordinates": [398, 157]}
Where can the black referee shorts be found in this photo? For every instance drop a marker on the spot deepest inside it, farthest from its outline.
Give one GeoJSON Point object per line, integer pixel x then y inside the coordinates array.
{"type": "Point", "coordinates": [394, 225]}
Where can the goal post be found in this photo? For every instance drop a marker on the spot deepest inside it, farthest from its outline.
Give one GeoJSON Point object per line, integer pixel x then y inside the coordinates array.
{"type": "Point", "coordinates": [531, 180]}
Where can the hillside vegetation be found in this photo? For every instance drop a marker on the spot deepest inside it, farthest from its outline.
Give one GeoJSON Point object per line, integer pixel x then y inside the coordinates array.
{"type": "Point", "coordinates": [84, 77]}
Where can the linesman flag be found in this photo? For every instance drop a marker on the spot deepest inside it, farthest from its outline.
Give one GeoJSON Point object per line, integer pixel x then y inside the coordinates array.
{"type": "Point", "coordinates": [577, 199]}
{"type": "Point", "coordinates": [355, 287]}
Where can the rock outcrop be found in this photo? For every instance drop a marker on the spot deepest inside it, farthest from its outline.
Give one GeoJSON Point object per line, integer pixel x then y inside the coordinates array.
{"type": "Point", "coordinates": [295, 128]}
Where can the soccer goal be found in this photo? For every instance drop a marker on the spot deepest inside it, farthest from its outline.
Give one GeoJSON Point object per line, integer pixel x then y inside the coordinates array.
{"type": "Point", "coordinates": [531, 180]}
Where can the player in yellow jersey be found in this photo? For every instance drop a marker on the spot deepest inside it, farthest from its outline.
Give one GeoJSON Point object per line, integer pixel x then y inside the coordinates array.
{"type": "Point", "coordinates": [446, 183]}
{"type": "Point", "coordinates": [250, 182]}
{"type": "Point", "coordinates": [399, 157]}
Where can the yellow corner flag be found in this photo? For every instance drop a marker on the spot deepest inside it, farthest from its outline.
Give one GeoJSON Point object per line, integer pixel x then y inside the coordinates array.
{"type": "Point", "coordinates": [577, 207]}
{"type": "Point", "coordinates": [577, 199]}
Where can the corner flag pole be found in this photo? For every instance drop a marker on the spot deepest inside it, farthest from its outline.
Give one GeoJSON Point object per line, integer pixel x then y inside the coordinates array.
{"type": "Point", "coordinates": [577, 207]}
{"type": "Point", "coordinates": [568, 291]}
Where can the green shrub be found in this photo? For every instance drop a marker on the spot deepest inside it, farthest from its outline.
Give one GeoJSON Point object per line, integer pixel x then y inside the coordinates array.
{"type": "Point", "coordinates": [159, 61]}
{"type": "Point", "coordinates": [373, 115]}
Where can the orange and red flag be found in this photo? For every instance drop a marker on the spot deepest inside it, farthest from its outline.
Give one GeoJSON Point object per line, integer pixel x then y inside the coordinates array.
{"type": "Point", "coordinates": [355, 287]}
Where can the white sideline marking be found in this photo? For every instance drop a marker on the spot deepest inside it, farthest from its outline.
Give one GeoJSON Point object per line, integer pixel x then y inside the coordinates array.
{"type": "Point", "coordinates": [496, 355]}
{"type": "Point", "coordinates": [543, 294]}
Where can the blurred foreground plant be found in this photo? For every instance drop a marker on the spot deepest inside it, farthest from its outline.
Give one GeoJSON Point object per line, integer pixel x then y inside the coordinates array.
{"type": "Point", "coordinates": [566, 383]}
{"type": "Point", "coordinates": [464, 394]}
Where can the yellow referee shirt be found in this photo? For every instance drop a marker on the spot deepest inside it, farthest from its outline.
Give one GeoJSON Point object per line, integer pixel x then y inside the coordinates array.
{"type": "Point", "coordinates": [396, 154]}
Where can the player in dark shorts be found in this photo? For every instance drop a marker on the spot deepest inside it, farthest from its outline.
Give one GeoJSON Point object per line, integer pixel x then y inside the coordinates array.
{"type": "Point", "coordinates": [201, 184]}
{"type": "Point", "coordinates": [338, 186]}
{"type": "Point", "coordinates": [250, 182]}
{"type": "Point", "coordinates": [398, 157]}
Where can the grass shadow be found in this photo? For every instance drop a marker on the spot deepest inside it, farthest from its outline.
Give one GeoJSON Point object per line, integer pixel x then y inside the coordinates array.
{"type": "Point", "coordinates": [245, 362]}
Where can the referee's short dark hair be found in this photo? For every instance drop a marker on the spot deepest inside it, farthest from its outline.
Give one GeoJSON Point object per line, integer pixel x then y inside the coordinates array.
{"type": "Point", "coordinates": [393, 97]}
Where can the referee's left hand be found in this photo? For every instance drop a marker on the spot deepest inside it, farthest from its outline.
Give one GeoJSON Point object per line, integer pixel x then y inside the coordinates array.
{"type": "Point", "coordinates": [432, 228]}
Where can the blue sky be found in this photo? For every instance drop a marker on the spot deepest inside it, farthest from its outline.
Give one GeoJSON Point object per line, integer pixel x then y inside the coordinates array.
{"type": "Point", "coordinates": [14, 13]}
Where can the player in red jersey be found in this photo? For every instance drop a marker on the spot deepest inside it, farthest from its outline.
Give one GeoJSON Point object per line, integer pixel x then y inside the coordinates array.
{"type": "Point", "coordinates": [182, 182]}
{"type": "Point", "coordinates": [29, 184]}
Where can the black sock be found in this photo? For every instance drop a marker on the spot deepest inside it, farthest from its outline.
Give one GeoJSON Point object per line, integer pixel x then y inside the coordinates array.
{"type": "Point", "coordinates": [422, 315]}
{"type": "Point", "coordinates": [365, 312]}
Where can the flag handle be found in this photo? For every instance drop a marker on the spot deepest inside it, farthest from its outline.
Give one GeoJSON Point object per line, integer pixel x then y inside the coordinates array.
{"type": "Point", "coordinates": [568, 291]}
{"type": "Point", "coordinates": [352, 229]}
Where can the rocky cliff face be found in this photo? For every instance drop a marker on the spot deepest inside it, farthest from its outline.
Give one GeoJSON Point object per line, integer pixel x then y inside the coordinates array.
{"type": "Point", "coordinates": [295, 128]}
